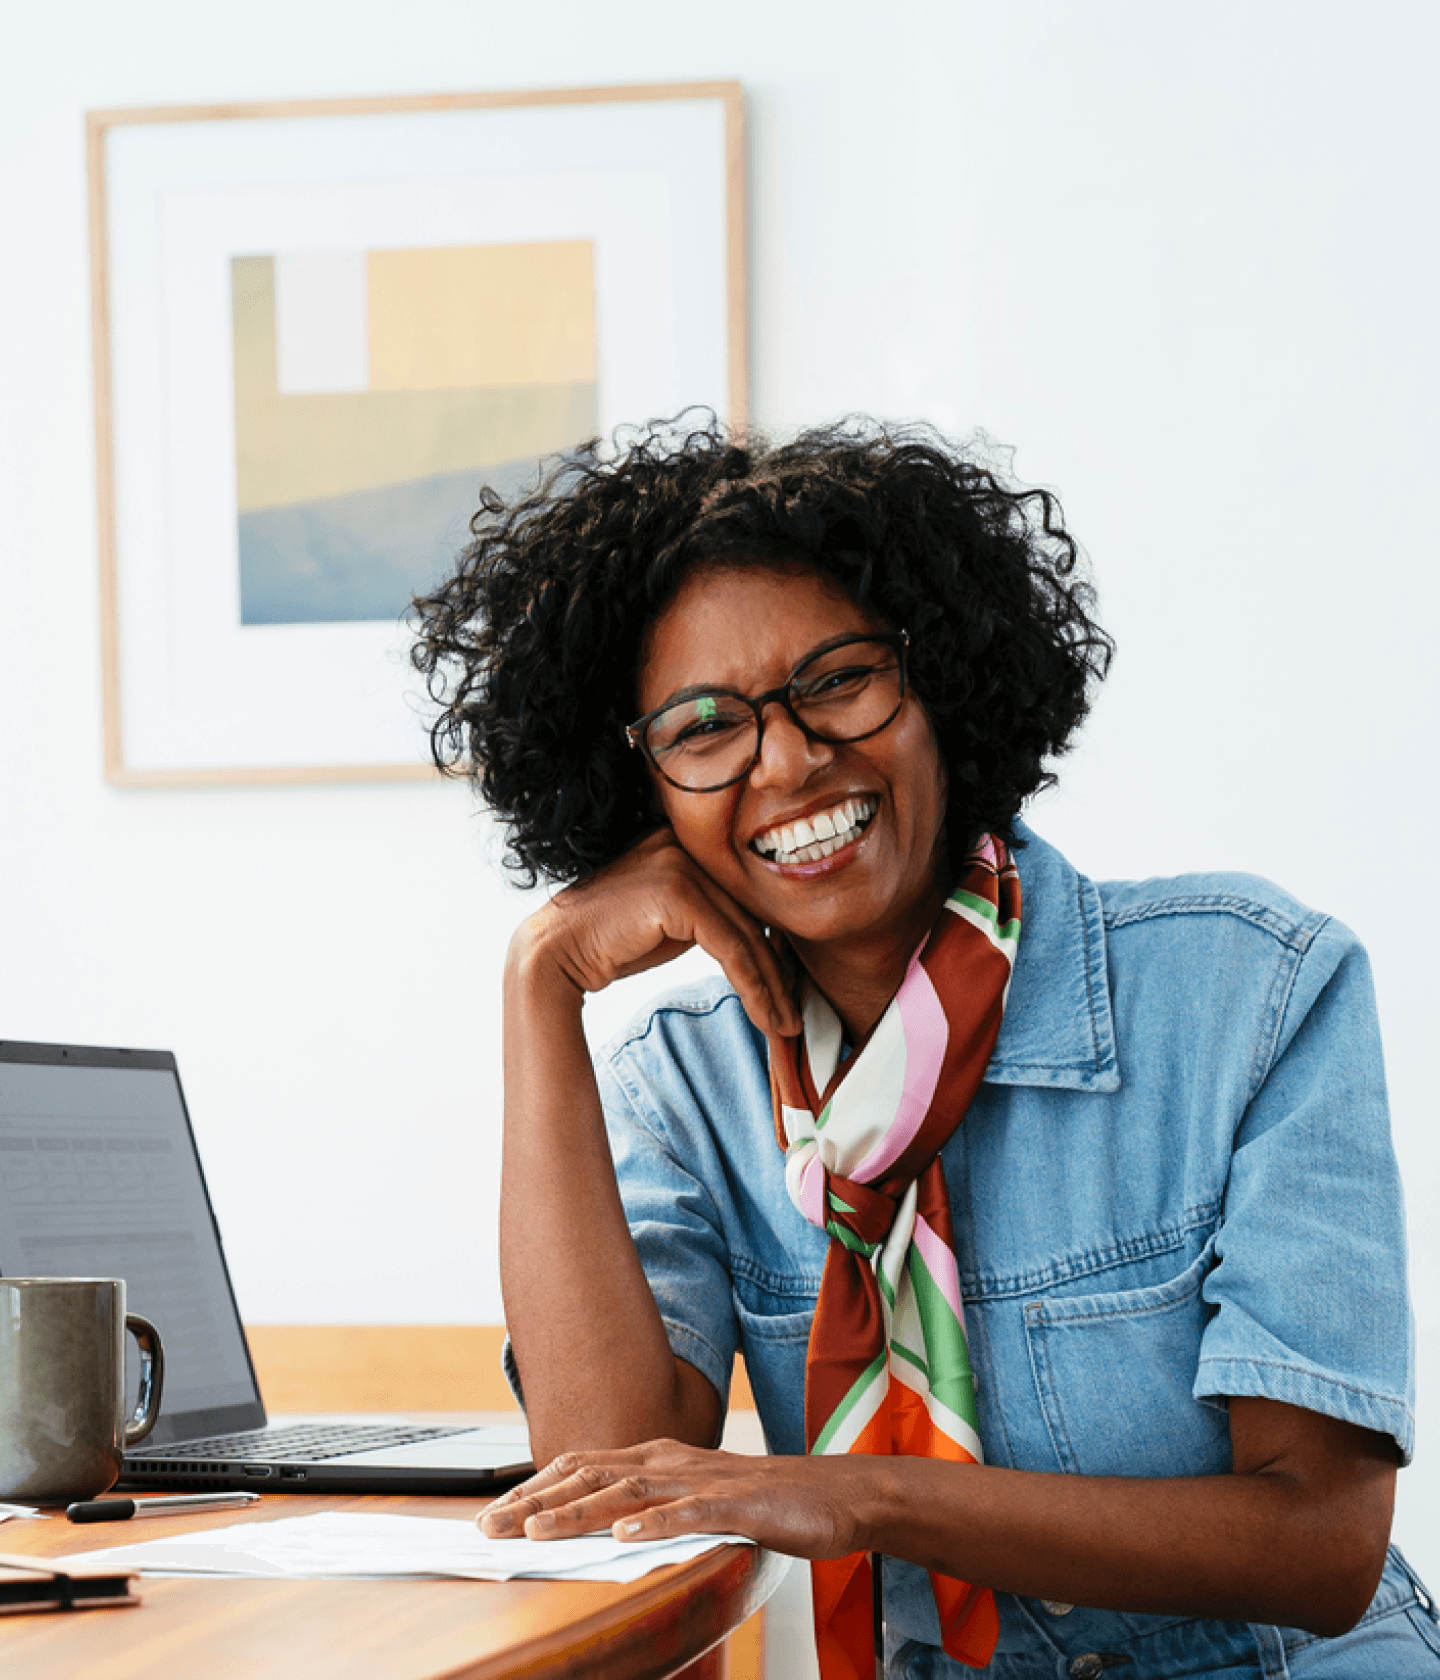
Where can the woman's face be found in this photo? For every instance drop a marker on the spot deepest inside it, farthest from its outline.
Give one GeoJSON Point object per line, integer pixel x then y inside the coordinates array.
{"type": "Point", "coordinates": [747, 628]}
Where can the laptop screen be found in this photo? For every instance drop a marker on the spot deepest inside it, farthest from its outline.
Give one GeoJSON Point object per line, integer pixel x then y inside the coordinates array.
{"type": "Point", "coordinates": [99, 1177]}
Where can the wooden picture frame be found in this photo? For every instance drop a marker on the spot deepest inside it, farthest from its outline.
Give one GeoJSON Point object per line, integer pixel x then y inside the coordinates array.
{"type": "Point", "coordinates": [329, 241]}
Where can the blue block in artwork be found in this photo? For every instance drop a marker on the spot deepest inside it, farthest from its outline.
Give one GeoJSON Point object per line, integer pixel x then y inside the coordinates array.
{"type": "Point", "coordinates": [360, 556]}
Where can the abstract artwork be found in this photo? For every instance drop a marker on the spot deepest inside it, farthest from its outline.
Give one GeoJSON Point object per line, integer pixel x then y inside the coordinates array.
{"type": "Point", "coordinates": [375, 391]}
{"type": "Point", "coordinates": [321, 328]}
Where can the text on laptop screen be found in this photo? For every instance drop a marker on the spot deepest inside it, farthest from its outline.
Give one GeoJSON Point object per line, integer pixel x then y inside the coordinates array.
{"type": "Point", "coordinates": [98, 1178]}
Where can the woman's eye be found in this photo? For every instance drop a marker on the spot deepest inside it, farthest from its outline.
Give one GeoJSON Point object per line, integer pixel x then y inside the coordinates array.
{"type": "Point", "coordinates": [705, 728]}
{"type": "Point", "coordinates": [836, 682]}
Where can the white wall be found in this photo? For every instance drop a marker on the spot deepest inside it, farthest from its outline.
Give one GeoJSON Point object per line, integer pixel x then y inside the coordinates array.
{"type": "Point", "coordinates": [1182, 258]}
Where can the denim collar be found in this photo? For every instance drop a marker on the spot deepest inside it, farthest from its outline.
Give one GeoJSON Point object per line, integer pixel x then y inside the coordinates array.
{"type": "Point", "coordinates": [1058, 1030]}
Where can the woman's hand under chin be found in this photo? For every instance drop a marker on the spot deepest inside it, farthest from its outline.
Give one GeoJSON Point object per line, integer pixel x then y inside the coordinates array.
{"type": "Point", "coordinates": [645, 909]}
{"type": "Point", "coordinates": [805, 1507]}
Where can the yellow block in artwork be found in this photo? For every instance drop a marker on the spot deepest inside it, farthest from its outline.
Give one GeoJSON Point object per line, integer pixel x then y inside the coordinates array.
{"type": "Point", "coordinates": [482, 315]}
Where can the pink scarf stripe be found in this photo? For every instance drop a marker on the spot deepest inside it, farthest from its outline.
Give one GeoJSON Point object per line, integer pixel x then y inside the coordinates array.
{"type": "Point", "coordinates": [939, 1259]}
{"type": "Point", "coordinates": [927, 1032]}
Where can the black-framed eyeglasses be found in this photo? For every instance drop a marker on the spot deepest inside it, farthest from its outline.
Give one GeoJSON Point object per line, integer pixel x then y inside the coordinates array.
{"type": "Point", "coordinates": [846, 690]}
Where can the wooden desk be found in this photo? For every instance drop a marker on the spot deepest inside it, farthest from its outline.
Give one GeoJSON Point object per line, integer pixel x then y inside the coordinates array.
{"type": "Point", "coordinates": [381, 1630]}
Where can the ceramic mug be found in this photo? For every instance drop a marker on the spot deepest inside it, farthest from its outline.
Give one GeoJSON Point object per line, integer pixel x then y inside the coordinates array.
{"type": "Point", "coordinates": [63, 1428]}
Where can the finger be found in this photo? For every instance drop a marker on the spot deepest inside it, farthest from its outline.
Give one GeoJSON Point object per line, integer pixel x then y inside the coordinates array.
{"type": "Point", "coordinates": [507, 1513]}
{"type": "Point", "coordinates": [689, 1515]}
{"type": "Point", "coordinates": [569, 1482]}
{"type": "Point", "coordinates": [736, 940]}
{"type": "Point", "coordinates": [600, 1508]}
{"type": "Point", "coordinates": [738, 943]}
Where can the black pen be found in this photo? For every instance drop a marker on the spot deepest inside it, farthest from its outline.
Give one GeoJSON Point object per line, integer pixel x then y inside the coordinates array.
{"type": "Point", "coordinates": [170, 1505]}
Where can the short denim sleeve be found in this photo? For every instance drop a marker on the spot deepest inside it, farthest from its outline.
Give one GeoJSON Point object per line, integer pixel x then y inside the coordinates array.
{"type": "Point", "coordinates": [1309, 1288]}
{"type": "Point", "coordinates": [663, 1162]}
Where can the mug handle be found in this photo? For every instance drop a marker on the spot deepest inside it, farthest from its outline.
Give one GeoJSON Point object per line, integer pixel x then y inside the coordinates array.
{"type": "Point", "coordinates": [152, 1379]}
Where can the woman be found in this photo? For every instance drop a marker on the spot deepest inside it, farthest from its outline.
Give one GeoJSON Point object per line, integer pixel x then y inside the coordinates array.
{"type": "Point", "coordinates": [1074, 1285]}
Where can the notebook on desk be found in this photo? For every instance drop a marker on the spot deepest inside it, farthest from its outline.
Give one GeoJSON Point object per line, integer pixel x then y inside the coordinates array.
{"type": "Point", "coordinates": [100, 1177]}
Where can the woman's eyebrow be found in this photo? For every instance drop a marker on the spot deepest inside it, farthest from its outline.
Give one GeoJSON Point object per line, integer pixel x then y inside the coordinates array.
{"type": "Point", "coordinates": [692, 691]}
{"type": "Point", "coordinates": [695, 691]}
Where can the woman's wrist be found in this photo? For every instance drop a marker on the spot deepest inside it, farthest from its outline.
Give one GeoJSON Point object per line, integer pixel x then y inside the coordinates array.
{"type": "Point", "coordinates": [871, 1499]}
{"type": "Point", "coordinates": [883, 1498]}
{"type": "Point", "coordinates": [536, 975]}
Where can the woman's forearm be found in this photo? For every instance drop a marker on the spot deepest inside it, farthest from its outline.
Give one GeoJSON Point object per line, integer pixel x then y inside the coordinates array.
{"type": "Point", "coordinates": [1264, 1547]}
{"type": "Point", "coordinates": [1296, 1535]}
{"type": "Point", "coordinates": [597, 1367]}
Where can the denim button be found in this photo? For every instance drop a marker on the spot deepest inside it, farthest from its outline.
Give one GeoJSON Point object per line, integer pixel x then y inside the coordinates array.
{"type": "Point", "coordinates": [1089, 1667]}
{"type": "Point", "coordinates": [1053, 1607]}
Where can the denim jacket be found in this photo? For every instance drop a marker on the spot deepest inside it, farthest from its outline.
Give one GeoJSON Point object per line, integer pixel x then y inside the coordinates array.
{"type": "Point", "coordinates": [1175, 1184]}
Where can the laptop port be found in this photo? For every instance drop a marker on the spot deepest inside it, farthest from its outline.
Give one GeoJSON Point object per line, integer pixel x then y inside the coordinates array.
{"type": "Point", "coordinates": [292, 1475]}
{"type": "Point", "coordinates": [258, 1469]}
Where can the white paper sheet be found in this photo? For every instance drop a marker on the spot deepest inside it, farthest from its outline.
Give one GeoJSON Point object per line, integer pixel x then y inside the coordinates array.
{"type": "Point", "coordinates": [337, 1543]}
{"type": "Point", "coordinates": [17, 1511]}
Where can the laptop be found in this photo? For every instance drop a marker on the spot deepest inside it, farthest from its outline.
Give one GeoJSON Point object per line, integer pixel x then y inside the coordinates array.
{"type": "Point", "coordinates": [100, 1177]}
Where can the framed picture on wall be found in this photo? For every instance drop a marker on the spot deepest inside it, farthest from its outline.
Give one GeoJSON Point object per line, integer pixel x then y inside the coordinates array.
{"type": "Point", "coordinates": [320, 327]}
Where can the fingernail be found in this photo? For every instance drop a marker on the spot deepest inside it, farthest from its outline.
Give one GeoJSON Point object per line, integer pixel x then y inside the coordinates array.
{"type": "Point", "coordinates": [632, 1527]}
{"type": "Point", "coordinates": [500, 1522]}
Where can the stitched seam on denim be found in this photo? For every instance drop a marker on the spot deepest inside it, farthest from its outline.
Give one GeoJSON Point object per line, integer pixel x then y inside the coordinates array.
{"type": "Point", "coordinates": [688, 1333]}
{"type": "Point", "coordinates": [1063, 1317]}
{"type": "Point", "coordinates": [1271, 1021]}
{"type": "Point", "coordinates": [1045, 1393]}
{"type": "Point", "coordinates": [1092, 1264]}
{"type": "Point", "coordinates": [800, 1284]}
{"type": "Point", "coordinates": [978, 1330]}
{"type": "Point", "coordinates": [1299, 935]}
{"type": "Point", "coordinates": [977, 1325]}
{"type": "Point", "coordinates": [1089, 976]}
{"type": "Point", "coordinates": [674, 1006]}
{"type": "Point", "coordinates": [1305, 1640]}
{"type": "Point", "coordinates": [649, 1123]}
{"type": "Point", "coordinates": [1322, 1378]}
{"type": "Point", "coordinates": [1048, 1066]}
{"type": "Point", "coordinates": [1426, 1603]}
{"type": "Point", "coordinates": [756, 1327]}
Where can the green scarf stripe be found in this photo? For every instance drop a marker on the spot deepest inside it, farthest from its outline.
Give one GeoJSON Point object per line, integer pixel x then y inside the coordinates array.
{"type": "Point", "coordinates": [838, 1205]}
{"type": "Point", "coordinates": [912, 1359]}
{"type": "Point", "coordinates": [859, 1387]}
{"type": "Point", "coordinates": [822, 1117]}
{"type": "Point", "coordinates": [972, 901]}
{"type": "Point", "coordinates": [855, 1244]}
{"type": "Point", "coordinates": [1007, 932]}
{"type": "Point", "coordinates": [887, 1289]}
{"type": "Point", "coordinates": [951, 1381]}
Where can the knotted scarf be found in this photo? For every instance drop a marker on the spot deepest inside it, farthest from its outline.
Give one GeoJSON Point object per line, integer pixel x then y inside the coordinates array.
{"type": "Point", "coordinates": [888, 1369]}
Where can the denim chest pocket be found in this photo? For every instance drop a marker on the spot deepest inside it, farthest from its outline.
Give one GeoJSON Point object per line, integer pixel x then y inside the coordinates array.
{"type": "Point", "coordinates": [1114, 1375]}
{"type": "Point", "coordinates": [771, 1310]}
{"type": "Point", "coordinates": [774, 1325]}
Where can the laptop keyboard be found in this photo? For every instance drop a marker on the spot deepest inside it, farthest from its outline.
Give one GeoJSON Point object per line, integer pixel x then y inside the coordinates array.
{"type": "Point", "coordinates": [300, 1443]}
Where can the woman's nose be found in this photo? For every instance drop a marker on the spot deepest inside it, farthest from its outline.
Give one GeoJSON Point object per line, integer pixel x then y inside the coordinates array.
{"type": "Point", "coordinates": [788, 756]}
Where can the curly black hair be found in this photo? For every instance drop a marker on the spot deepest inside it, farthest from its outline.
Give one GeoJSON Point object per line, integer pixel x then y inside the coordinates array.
{"type": "Point", "coordinates": [531, 649]}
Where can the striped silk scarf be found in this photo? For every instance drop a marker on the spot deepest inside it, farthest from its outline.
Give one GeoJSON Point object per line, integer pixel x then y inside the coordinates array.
{"type": "Point", "coordinates": [888, 1369]}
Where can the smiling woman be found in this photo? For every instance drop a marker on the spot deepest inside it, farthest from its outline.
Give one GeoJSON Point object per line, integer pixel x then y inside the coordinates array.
{"type": "Point", "coordinates": [1020, 1194]}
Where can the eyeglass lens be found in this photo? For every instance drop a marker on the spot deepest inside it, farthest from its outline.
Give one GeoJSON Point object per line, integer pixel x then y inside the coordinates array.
{"type": "Point", "coordinates": [841, 694]}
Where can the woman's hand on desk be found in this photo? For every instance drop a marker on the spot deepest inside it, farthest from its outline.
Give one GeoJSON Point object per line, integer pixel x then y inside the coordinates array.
{"type": "Point", "coordinates": [805, 1507]}
{"type": "Point", "coordinates": [1295, 1535]}
{"type": "Point", "coordinates": [647, 908]}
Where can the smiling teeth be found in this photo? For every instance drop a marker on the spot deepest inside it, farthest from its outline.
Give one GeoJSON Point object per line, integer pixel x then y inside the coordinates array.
{"type": "Point", "coordinates": [809, 839]}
